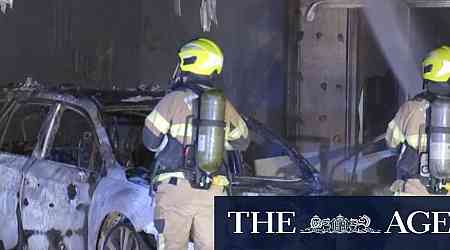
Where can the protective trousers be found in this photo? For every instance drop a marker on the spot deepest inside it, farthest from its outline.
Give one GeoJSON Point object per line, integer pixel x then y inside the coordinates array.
{"type": "Point", "coordinates": [182, 212]}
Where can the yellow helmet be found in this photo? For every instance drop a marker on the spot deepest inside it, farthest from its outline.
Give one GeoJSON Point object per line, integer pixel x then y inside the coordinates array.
{"type": "Point", "coordinates": [202, 57]}
{"type": "Point", "coordinates": [436, 67]}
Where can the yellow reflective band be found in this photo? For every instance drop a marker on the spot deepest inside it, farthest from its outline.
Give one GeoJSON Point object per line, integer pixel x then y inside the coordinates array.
{"type": "Point", "coordinates": [156, 120]}
{"type": "Point", "coordinates": [178, 130]}
{"type": "Point", "coordinates": [220, 180]}
{"type": "Point", "coordinates": [240, 131]}
{"type": "Point", "coordinates": [394, 135]}
{"type": "Point", "coordinates": [413, 141]}
{"type": "Point", "coordinates": [165, 176]}
{"type": "Point", "coordinates": [234, 135]}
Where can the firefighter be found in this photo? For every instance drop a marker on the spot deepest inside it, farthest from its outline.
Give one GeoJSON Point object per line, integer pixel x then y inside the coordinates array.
{"type": "Point", "coordinates": [408, 130]}
{"type": "Point", "coordinates": [184, 197]}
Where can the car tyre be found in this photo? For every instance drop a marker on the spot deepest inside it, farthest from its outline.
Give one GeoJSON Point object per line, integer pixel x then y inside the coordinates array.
{"type": "Point", "coordinates": [122, 237]}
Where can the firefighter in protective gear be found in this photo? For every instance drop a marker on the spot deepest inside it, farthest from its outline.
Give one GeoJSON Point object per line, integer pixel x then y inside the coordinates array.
{"type": "Point", "coordinates": [407, 130]}
{"type": "Point", "coordinates": [182, 210]}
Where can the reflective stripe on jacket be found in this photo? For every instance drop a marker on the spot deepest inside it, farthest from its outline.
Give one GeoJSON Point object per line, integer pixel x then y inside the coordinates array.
{"type": "Point", "coordinates": [218, 180]}
{"type": "Point", "coordinates": [408, 125]}
{"type": "Point", "coordinates": [170, 117]}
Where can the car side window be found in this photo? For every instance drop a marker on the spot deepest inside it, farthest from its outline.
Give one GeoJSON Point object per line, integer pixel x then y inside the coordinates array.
{"type": "Point", "coordinates": [267, 158]}
{"type": "Point", "coordinates": [75, 142]}
{"type": "Point", "coordinates": [22, 128]}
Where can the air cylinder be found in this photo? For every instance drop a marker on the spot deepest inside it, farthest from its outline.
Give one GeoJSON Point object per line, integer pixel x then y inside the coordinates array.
{"type": "Point", "coordinates": [439, 138]}
{"type": "Point", "coordinates": [211, 131]}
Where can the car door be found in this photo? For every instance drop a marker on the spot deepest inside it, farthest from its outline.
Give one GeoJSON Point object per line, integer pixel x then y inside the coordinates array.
{"type": "Point", "coordinates": [269, 167]}
{"type": "Point", "coordinates": [58, 187]}
{"type": "Point", "coordinates": [20, 127]}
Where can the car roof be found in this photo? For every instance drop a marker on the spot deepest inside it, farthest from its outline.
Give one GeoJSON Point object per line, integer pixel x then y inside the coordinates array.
{"type": "Point", "coordinates": [105, 99]}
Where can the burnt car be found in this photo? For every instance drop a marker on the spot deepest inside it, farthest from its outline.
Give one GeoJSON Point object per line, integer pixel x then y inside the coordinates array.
{"type": "Point", "coordinates": [74, 173]}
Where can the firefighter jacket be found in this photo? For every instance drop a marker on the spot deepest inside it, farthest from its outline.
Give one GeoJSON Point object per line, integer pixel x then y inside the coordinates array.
{"type": "Point", "coordinates": [167, 128]}
{"type": "Point", "coordinates": [407, 132]}
{"type": "Point", "coordinates": [408, 125]}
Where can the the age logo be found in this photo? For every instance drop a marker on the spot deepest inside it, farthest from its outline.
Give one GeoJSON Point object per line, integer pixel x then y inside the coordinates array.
{"type": "Point", "coordinates": [339, 225]}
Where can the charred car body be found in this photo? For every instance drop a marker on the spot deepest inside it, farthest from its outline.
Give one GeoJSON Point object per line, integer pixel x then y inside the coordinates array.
{"type": "Point", "coordinates": [74, 173]}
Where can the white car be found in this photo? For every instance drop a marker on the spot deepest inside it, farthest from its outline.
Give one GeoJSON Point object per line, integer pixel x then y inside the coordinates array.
{"type": "Point", "coordinates": [74, 173]}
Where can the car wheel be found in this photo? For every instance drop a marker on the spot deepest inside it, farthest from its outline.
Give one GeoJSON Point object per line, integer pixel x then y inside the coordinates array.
{"type": "Point", "coordinates": [122, 237]}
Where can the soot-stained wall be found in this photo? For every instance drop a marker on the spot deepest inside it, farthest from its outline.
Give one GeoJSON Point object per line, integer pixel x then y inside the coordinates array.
{"type": "Point", "coordinates": [124, 43]}
{"type": "Point", "coordinates": [80, 41]}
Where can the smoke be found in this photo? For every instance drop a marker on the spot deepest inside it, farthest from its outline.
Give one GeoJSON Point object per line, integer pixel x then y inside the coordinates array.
{"type": "Point", "coordinates": [388, 20]}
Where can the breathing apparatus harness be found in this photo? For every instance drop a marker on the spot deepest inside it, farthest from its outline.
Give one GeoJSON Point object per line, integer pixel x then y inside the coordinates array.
{"type": "Point", "coordinates": [203, 156]}
{"type": "Point", "coordinates": [434, 162]}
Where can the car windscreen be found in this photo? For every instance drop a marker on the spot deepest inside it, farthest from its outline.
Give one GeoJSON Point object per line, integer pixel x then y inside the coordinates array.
{"type": "Point", "coordinates": [270, 156]}
{"type": "Point", "coordinates": [266, 157]}
{"type": "Point", "coordinates": [124, 129]}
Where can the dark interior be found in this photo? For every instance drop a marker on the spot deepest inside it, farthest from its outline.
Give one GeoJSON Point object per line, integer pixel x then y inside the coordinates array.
{"type": "Point", "coordinates": [125, 131]}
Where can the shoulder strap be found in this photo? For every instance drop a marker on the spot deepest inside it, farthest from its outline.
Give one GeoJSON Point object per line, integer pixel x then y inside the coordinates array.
{"type": "Point", "coordinates": [425, 96]}
{"type": "Point", "coordinates": [193, 87]}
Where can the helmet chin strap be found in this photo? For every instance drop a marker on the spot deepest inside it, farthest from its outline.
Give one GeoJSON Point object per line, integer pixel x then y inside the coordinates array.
{"type": "Point", "coordinates": [178, 78]}
{"type": "Point", "coordinates": [176, 75]}
{"type": "Point", "coordinates": [176, 71]}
